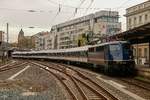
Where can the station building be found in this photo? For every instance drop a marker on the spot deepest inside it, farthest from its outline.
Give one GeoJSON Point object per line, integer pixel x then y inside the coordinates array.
{"type": "Point", "coordinates": [101, 23]}
{"type": "Point", "coordinates": [136, 16]}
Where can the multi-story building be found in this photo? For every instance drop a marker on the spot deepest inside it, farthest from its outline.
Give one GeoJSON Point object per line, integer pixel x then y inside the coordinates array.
{"type": "Point", "coordinates": [66, 34]}
{"type": "Point", "coordinates": [43, 41]}
{"type": "Point", "coordinates": [136, 16]}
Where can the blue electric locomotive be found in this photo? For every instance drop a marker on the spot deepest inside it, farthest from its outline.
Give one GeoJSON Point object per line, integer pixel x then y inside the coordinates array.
{"type": "Point", "coordinates": [112, 57]}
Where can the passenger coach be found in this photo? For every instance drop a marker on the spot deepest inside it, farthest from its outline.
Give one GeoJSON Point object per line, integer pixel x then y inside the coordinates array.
{"type": "Point", "coordinates": [111, 57]}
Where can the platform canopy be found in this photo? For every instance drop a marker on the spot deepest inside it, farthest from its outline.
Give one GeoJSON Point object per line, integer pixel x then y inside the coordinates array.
{"type": "Point", "coordinates": [139, 34]}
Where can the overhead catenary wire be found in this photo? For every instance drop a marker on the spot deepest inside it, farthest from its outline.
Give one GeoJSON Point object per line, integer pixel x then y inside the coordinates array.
{"type": "Point", "coordinates": [89, 6]}
{"type": "Point", "coordinates": [93, 8]}
{"type": "Point", "coordinates": [122, 4]}
{"type": "Point", "coordinates": [53, 19]}
{"type": "Point", "coordinates": [63, 5]}
{"type": "Point", "coordinates": [69, 6]}
{"type": "Point", "coordinates": [76, 9]}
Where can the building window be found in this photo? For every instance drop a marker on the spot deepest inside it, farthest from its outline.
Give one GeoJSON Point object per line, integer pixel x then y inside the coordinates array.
{"type": "Point", "coordinates": [95, 20]}
{"type": "Point", "coordinates": [134, 52]}
{"type": "Point", "coordinates": [146, 17]}
{"type": "Point", "coordinates": [134, 20]}
{"type": "Point", "coordinates": [140, 19]}
{"type": "Point", "coordinates": [130, 21]}
{"type": "Point", "coordinates": [140, 52]}
{"type": "Point", "coordinates": [145, 52]}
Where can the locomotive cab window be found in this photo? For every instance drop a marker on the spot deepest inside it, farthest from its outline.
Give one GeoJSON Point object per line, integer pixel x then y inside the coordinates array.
{"type": "Point", "coordinates": [114, 47]}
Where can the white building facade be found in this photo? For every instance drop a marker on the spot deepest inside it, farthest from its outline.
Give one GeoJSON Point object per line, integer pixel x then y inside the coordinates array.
{"type": "Point", "coordinates": [43, 41]}
{"type": "Point", "coordinates": [138, 15]}
{"type": "Point", "coordinates": [100, 23]}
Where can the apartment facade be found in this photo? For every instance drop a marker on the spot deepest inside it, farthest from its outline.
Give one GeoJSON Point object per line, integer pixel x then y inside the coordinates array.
{"type": "Point", "coordinates": [43, 41]}
{"type": "Point", "coordinates": [136, 16]}
{"type": "Point", "coordinates": [101, 23]}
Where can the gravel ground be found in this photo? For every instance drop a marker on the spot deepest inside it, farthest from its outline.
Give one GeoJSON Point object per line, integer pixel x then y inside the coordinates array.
{"type": "Point", "coordinates": [43, 83]}
{"type": "Point", "coordinates": [6, 74]}
{"type": "Point", "coordinates": [32, 84]}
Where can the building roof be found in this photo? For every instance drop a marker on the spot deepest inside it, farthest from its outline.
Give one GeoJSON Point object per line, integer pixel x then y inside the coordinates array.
{"type": "Point", "coordinates": [141, 33]}
{"type": "Point", "coordinates": [77, 49]}
{"type": "Point", "coordinates": [88, 17]}
{"type": "Point", "coordinates": [145, 6]}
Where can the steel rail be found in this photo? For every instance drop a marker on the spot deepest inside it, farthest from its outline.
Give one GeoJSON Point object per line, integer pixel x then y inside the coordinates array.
{"type": "Point", "coordinates": [88, 86]}
{"type": "Point", "coordinates": [60, 80]}
{"type": "Point", "coordinates": [89, 79]}
{"type": "Point", "coordinates": [12, 66]}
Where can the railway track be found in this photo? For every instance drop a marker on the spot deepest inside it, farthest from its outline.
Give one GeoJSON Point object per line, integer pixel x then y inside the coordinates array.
{"type": "Point", "coordinates": [137, 83]}
{"type": "Point", "coordinates": [12, 66]}
{"type": "Point", "coordinates": [78, 85]}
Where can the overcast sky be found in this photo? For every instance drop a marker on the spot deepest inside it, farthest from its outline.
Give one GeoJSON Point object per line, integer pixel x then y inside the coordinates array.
{"type": "Point", "coordinates": [17, 14]}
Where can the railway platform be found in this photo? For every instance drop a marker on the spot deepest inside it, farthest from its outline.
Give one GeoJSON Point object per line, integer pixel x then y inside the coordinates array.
{"type": "Point", "coordinates": [143, 70]}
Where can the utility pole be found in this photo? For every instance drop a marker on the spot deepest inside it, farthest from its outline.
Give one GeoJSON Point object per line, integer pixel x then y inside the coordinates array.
{"type": "Point", "coordinates": [7, 33]}
{"type": "Point", "coordinates": [7, 41]}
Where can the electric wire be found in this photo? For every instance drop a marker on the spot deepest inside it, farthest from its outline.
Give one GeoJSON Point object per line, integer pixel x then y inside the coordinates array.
{"type": "Point", "coordinates": [89, 6]}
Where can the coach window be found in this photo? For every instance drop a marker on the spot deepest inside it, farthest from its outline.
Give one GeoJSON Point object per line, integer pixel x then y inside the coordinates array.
{"type": "Point", "coordinates": [64, 54]}
{"type": "Point", "coordinates": [49, 54]}
{"type": "Point", "coordinates": [80, 53]}
{"type": "Point", "coordinates": [77, 54]}
{"type": "Point", "coordinates": [52, 54]}
{"type": "Point", "coordinates": [84, 53]}
{"type": "Point", "coordinates": [91, 49]}
{"type": "Point", "coordinates": [68, 54]}
{"type": "Point", "coordinates": [100, 48]}
{"type": "Point", "coordinates": [46, 54]}
{"type": "Point", "coordinates": [72, 54]}
{"type": "Point", "coordinates": [60, 54]}
{"type": "Point", "coordinates": [43, 54]}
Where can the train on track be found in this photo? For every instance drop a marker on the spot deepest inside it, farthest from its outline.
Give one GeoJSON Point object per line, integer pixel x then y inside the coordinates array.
{"type": "Point", "coordinates": [113, 58]}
